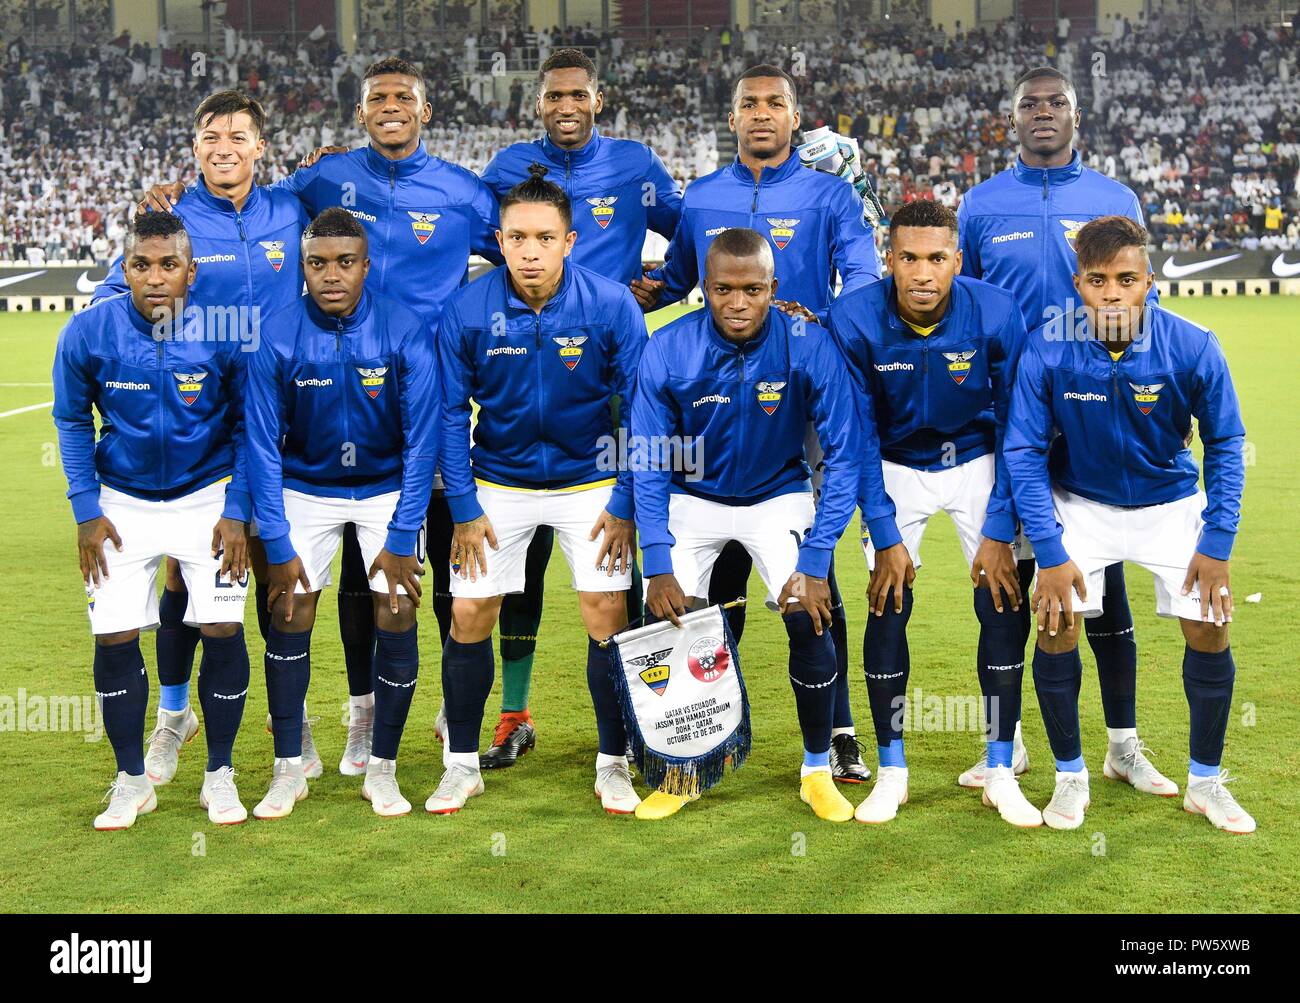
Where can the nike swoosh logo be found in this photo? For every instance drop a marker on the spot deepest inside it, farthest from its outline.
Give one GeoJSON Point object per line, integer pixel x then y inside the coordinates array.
{"type": "Point", "coordinates": [85, 285]}
{"type": "Point", "coordinates": [20, 278]}
{"type": "Point", "coordinates": [1170, 270]}
{"type": "Point", "coordinates": [1284, 269]}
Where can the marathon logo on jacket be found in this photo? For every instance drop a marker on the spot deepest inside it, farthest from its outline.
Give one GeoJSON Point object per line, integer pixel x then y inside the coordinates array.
{"type": "Point", "coordinates": [126, 385]}
{"type": "Point", "coordinates": [959, 365]}
{"type": "Point", "coordinates": [189, 386]}
{"type": "Point", "coordinates": [507, 350]}
{"type": "Point", "coordinates": [769, 395]}
{"type": "Point", "coordinates": [313, 381]}
{"type": "Point", "coordinates": [602, 209]}
{"type": "Point", "coordinates": [1072, 228]}
{"type": "Point", "coordinates": [653, 670]}
{"type": "Point", "coordinates": [372, 380]}
{"type": "Point", "coordinates": [713, 231]}
{"type": "Point", "coordinates": [422, 224]}
{"type": "Point", "coordinates": [570, 350]}
{"type": "Point", "coordinates": [274, 252]}
{"type": "Point", "coordinates": [214, 259]}
{"type": "Point", "coordinates": [1002, 238]}
{"type": "Point", "coordinates": [893, 367]}
{"type": "Point", "coordinates": [358, 214]}
{"type": "Point", "coordinates": [1071, 395]}
{"type": "Point", "coordinates": [1146, 395]}
{"type": "Point", "coordinates": [711, 399]}
{"type": "Point", "coordinates": [782, 231]}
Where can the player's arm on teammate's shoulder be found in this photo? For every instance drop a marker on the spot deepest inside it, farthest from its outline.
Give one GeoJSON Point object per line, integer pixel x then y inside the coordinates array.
{"type": "Point", "coordinates": [853, 241]}
{"type": "Point", "coordinates": [615, 526]}
{"type": "Point", "coordinates": [672, 280]}
{"type": "Point", "coordinates": [161, 197]}
{"type": "Point", "coordinates": [310, 159]}
{"type": "Point", "coordinates": [968, 240]}
{"type": "Point", "coordinates": [485, 223]}
{"type": "Point", "coordinates": [793, 308]}
{"type": "Point", "coordinates": [230, 534]}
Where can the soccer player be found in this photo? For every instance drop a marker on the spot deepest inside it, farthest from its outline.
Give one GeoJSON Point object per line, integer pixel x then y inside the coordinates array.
{"type": "Point", "coordinates": [1102, 473]}
{"type": "Point", "coordinates": [744, 379]}
{"type": "Point", "coordinates": [936, 354]}
{"type": "Point", "coordinates": [541, 346]}
{"type": "Point", "coordinates": [1018, 231]}
{"type": "Point", "coordinates": [814, 223]}
{"type": "Point", "coordinates": [342, 428]}
{"type": "Point", "coordinates": [621, 190]}
{"type": "Point", "coordinates": [165, 479]}
{"type": "Point", "coordinates": [245, 242]}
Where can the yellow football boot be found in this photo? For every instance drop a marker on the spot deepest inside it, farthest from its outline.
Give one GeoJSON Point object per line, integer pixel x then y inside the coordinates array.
{"type": "Point", "coordinates": [818, 790]}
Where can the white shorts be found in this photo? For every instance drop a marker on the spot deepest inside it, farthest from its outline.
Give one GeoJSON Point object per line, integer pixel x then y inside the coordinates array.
{"type": "Point", "coordinates": [515, 515]}
{"type": "Point", "coordinates": [1161, 538]}
{"type": "Point", "coordinates": [150, 531]}
{"type": "Point", "coordinates": [961, 491]}
{"type": "Point", "coordinates": [316, 532]}
{"type": "Point", "coordinates": [770, 531]}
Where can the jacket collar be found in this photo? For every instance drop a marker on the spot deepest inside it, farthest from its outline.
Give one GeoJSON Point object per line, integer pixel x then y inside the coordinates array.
{"type": "Point", "coordinates": [403, 168]}
{"type": "Point", "coordinates": [896, 320]}
{"type": "Point", "coordinates": [360, 314]}
{"type": "Point", "coordinates": [752, 344]}
{"type": "Point", "coordinates": [190, 317]}
{"type": "Point", "coordinates": [770, 175]}
{"type": "Point", "coordinates": [219, 203]}
{"type": "Point", "coordinates": [584, 154]}
{"type": "Point", "coordinates": [1055, 175]}
{"type": "Point", "coordinates": [516, 302]}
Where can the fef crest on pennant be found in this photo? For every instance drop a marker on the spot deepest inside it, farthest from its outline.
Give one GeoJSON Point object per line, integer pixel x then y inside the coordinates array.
{"type": "Point", "coordinates": [570, 350]}
{"type": "Point", "coordinates": [1072, 228]}
{"type": "Point", "coordinates": [422, 224]}
{"type": "Point", "coordinates": [959, 365]}
{"type": "Point", "coordinates": [274, 252]}
{"type": "Point", "coordinates": [372, 380]}
{"type": "Point", "coordinates": [602, 209]}
{"type": "Point", "coordinates": [782, 231]}
{"type": "Point", "coordinates": [655, 672]}
{"type": "Point", "coordinates": [1146, 395]}
{"type": "Point", "coordinates": [769, 395]}
{"type": "Point", "coordinates": [189, 386]}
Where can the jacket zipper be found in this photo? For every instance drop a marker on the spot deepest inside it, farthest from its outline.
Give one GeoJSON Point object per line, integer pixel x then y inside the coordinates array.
{"type": "Point", "coordinates": [753, 206]}
{"type": "Point", "coordinates": [346, 410]}
{"type": "Point", "coordinates": [541, 391]}
{"type": "Point", "coordinates": [925, 382]}
{"type": "Point", "coordinates": [162, 429]}
{"type": "Point", "coordinates": [744, 419]}
{"type": "Point", "coordinates": [388, 224]}
{"type": "Point", "coordinates": [1119, 437]}
{"type": "Point", "coordinates": [248, 256]}
{"type": "Point", "coordinates": [1046, 245]}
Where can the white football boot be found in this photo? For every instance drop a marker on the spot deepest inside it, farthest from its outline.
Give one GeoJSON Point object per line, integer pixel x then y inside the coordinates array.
{"type": "Point", "coordinates": [312, 767]}
{"type": "Point", "coordinates": [361, 730]}
{"type": "Point", "coordinates": [165, 741]}
{"type": "Point", "coordinates": [1127, 761]}
{"type": "Point", "coordinates": [459, 783]}
{"type": "Point", "coordinates": [974, 777]}
{"type": "Point", "coordinates": [288, 787]}
{"type": "Point", "coordinates": [1209, 796]}
{"type": "Point", "coordinates": [127, 798]}
{"type": "Point", "coordinates": [381, 790]}
{"type": "Point", "coordinates": [220, 797]}
{"type": "Point", "coordinates": [615, 790]}
{"type": "Point", "coordinates": [1069, 801]}
{"type": "Point", "coordinates": [886, 797]}
{"type": "Point", "coordinates": [1002, 791]}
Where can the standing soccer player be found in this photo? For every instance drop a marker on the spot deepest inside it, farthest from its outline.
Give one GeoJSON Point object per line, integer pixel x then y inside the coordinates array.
{"type": "Point", "coordinates": [1018, 231]}
{"type": "Point", "coordinates": [245, 243]}
{"type": "Point", "coordinates": [342, 430]}
{"type": "Point", "coordinates": [744, 379]}
{"type": "Point", "coordinates": [814, 224]}
{"type": "Point", "coordinates": [165, 479]}
{"type": "Point", "coordinates": [541, 346]}
{"type": "Point", "coordinates": [1096, 448]}
{"type": "Point", "coordinates": [936, 355]}
{"type": "Point", "coordinates": [621, 190]}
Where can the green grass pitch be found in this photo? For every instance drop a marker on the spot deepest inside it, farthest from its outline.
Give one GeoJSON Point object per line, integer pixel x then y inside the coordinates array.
{"type": "Point", "coordinates": [538, 841]}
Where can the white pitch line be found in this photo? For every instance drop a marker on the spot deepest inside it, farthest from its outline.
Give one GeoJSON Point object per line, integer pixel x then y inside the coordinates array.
{"type": "Point", "coordinates": [45, 384]}
{"type": "Point", "coordinates": [24, 410]}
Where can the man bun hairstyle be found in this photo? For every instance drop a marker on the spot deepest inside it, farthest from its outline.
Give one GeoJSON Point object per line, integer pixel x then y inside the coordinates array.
{"type": "Point", "coordinates": [766, 70]}
{"type": "Point", "coordinates": [568, 59]}
{"type": "Point", "coordinates": [923, 212]}
{"type": "Point", "coordinates": [537, 189]}
{"type": "Point", "coordinates": [157, 224]}
{"type": "Point", "coordinates": [1103, 238]}
{"type": "Point", "coordinates": [225, 103]}
{"type": "Point", "coordinates": [335, 222]}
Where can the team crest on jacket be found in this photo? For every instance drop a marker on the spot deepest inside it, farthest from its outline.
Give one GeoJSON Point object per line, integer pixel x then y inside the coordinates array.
{"type": "Point", "coordinates": [653, 670]}
{"type": "Point", "coordinates": [422, 224]}
{"type": "Point", "coordinates": [708, 659]}
{"type": "Point", "coordinates": [602, 210]}
{"type": "Point", "coordinates": [274, 252]}
{"type": "Point", "coordinates": [782, 231]}
{"type": "Point", "coordinates": [189, 385]}
{"type": "Point", "coordinates": [1072, 228]}
{"type": "Point", "coordinates": [570, 350]}
{"type": "Point", "coordinates": [1146, 395]}
{"type": "Point", "coordinates": [959, 365]}
{"type": "Point", "coordinates": [372, 380]}
{"type": "Point", "coordinates": [769, 395]}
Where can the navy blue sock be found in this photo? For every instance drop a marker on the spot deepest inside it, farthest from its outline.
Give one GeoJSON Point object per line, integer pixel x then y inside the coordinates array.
{"type": "Point", "coordinates": [261, 592]}
{"type": "Point", "coordinates": [288, 672]}
{"type": "Point", "coordinates": [1000, 664]}
{"type": "Point", "coordinates": [843, 715]}
{"type": "Point", "coordinates": [887, 663]}
{"type": "Point", "coordinates": [1025, 572]}
{"type": "Point", "coordinates": [174, 642]}
{"type": "Point", "coordinates": [812, 676]}
{"type": "Point", "coordinates": [730, 580]}
{"type": "Point", "coordinates": [467, 671]}
{"type": "Point", "coordinates": [123, 690]}
{"type": "Point", "coordinates": [356, 617]}
{"type": "Point", "coordinates": [1114, 645]}
{"type": "Point", "coordinates": [223, 687]}
{"type": "Point", "coordinates": [1207, 681]}
{"type": "Point", "coordinates": [604, 697]}
{"type": "Point", "coordinates": [397, 666]}
{"type": "Point", "coordinates": [1056, 680]}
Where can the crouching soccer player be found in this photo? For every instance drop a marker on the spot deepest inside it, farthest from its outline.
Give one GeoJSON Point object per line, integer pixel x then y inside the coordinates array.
{"type": "Point", "coordinates": [1096, 450]}
{"type": "Point", "coordinates": [165, 479]}
{"type": "Point", "coordinates": [936, 354]}
{"type": "Point", "coordinates": [342, 429]}
{"type": "Point", "coordinates": [745, 379]}
{"type": "Point", "coordinates": [541, 346]}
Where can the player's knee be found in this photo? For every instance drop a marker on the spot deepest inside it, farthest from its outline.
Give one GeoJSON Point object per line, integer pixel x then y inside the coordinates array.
{"type": "Point", "coordinates": [604, 613]}
{"type": "Point", "coordinates": [472, 620]}
{"type": "Point", "coordinates": [1065, 639]}
{"type": "Point", "coordinates": [988, 616]}
{"type": "Point", "coordinates": [386, 619]}
{"type": "Point", "coordinates": [219, 629]}
{"type": "Point", "coordinates": [1204, 637]}
{"type": "Point", "coordinates": [303, 612]}
{"type": "Point", "coordinates": [120, 637]}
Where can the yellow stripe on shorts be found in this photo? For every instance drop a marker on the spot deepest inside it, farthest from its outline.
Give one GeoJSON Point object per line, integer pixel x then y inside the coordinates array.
{"type": "Point", "coordinates": [574, 487]}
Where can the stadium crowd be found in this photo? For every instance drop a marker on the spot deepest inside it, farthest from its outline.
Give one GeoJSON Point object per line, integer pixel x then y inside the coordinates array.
{"type": "Point", "coordinates": [1202, 124]}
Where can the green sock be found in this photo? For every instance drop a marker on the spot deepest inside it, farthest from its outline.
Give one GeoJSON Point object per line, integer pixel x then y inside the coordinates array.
{"type": "Point", "coordinates": [516, 679]}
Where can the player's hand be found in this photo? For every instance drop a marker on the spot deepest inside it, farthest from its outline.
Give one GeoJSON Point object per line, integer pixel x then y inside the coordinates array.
{"type": "Point", "coordinates": [893, 571]}
{"type": "Point", "coordinates": [281, 581]}
{"type": "Point", "coordinates": [619, 545]}
{"type": "Point", "coordinates": [91, 535]}
{"type": "Point", "coordinates": [664, 598]}
{"type": "Point", "coordinates": [403, 571]}
{"type": "Point", "coordinates": [320, 151]}
{"type": "Point", "coordinates": [646, 290]}
{"type": "Point", "coordinates": [161, 197]}
{"type": "Point", "coordinates": [813, 594]}
{"type": "Point", "coordinates": [468, 555]}
{"type": "Point", "coordinates": [230, 540]}
{"type": "Point", "coordinates": [994, 568]}
{"type": "Point", "coordinates": [794, 309]}
{"type": "Point", "coordinates": [1210, 577]}
{"type": "Point", "coordinates": [1052, 602]}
